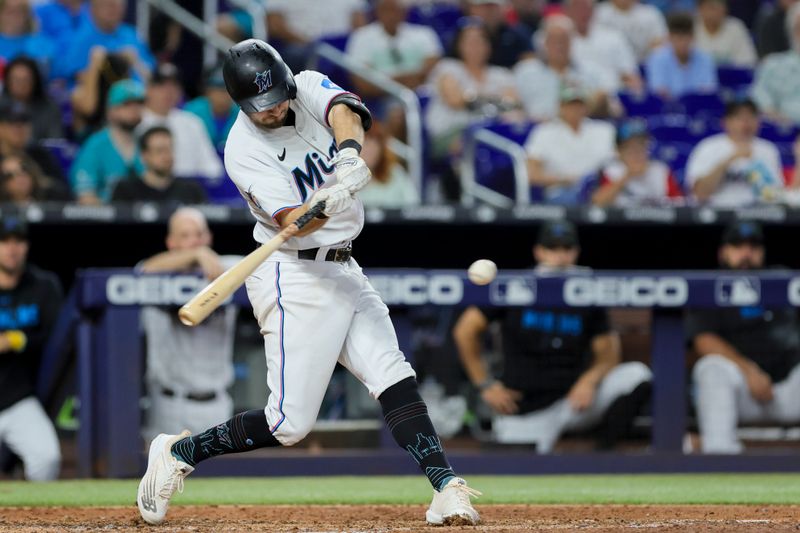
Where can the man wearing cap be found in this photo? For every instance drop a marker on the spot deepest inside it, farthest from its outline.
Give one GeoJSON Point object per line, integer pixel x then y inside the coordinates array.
{"type": "Point", "coordinates": [215, 108]}
{"type": "Point", "coordinates": [736, 168]}
{"type": "Point", "coordinates": [562, 368]}
{"type": "Point", "coordinates": [633, 178]}
{"type": "Point", "coordinates": [749, 367]}
{"type": "Point", "coordinates": [110, 154]}
{"type": "Point", "coordinates": [566, 153]}
{"type": "Point", "coordinates": [195, 156]}
{"type": "Point", "coordinates": [30, 300]}
{"type": "Point", "coordinates": [16, 135]}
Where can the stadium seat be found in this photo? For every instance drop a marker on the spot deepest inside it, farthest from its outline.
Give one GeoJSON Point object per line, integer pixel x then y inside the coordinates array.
{"type": "Point", "coordinates": [737, 80]}
{"type": "Point", "coordinates": [641, 105]}
{"type": "Point", "coordinates": [443, 18]}
{"type": "Point", "coordinates": [63, 150]}
{"type": "Point", "coordinates": [494, 169]}
{"type": "Point", "coordinates": [778, 133]}
{"type": "Point", "coordinates": [705, 104]}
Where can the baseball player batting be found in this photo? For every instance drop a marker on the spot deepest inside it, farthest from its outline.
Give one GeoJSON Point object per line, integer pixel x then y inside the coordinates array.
{"type": "Point", "coordinates": [295, 143]}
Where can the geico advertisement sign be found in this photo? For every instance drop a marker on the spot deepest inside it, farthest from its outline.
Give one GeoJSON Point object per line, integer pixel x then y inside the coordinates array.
{"type": "Point", "coordinates": [794, 292]}
{"type": "Point", "coordinates": [152, 290]}
{"type": "Point", "coordinates": [638, 291]}
{"type": "Point", "coordinates": [419, 289]}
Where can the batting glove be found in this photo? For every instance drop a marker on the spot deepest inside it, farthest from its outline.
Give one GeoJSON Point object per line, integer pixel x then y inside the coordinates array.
{"type": "Point", "coordinates": [337, 199]}
{"type": "Point", "coordinates": [351, 170]}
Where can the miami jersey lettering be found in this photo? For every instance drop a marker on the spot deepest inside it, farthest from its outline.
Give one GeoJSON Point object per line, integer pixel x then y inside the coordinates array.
{"type": "Point", "coordinates": [279, 169]}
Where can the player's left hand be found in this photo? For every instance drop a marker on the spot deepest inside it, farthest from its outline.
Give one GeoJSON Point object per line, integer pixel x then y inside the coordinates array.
{"type": "Point", "coordinates": [581, 395]}
{"type": "Point", "coordinates": [351, 170]}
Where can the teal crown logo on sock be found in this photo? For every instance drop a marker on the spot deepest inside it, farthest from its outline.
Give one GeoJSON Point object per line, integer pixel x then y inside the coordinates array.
{"type": "Point", "coordinates": [425, 446]}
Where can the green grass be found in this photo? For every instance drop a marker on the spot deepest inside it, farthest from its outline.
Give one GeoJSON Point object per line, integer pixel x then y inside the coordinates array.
{"type": "Point", "coordinates": [630, 489]}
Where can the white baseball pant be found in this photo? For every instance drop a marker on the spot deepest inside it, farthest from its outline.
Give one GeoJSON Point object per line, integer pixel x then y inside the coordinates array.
{"type": "Point", "coordinates": [545, 426]}
{"type": "Point", "coordinates": [30, 434]}
{"type": "Point", "coordinates": [313, 314]}
{"type": "Point", "coordinates": [723, 399]}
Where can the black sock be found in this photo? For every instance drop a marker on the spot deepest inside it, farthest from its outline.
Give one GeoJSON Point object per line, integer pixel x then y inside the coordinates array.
{"type": "Point", "coordinates": [619, 417]}
{"type": "Point", "coordinates": [244, 432]}
{"type": "Point", "coordinates": [407, 417]}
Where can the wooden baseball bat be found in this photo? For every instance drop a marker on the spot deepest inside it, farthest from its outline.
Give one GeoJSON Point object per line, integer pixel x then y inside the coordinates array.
{"type": "Point", "coordinates": [206, 301]}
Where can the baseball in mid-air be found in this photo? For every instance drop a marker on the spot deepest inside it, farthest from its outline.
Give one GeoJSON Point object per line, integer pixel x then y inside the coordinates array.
{"type": "Point", "coordinates": [482, 271]}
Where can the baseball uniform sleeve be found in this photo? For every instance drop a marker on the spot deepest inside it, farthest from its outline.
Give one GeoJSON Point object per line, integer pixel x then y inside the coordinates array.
{"type": "Point", "coordinates": [263, 186]}
{"type": "Point", "coordinates": [316, 92]}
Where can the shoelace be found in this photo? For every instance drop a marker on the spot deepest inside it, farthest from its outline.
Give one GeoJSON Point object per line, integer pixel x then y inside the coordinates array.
{"type": "Point", "coordinates": [175, 481]}
{"type": "Point", "coordinates": [464, 493]}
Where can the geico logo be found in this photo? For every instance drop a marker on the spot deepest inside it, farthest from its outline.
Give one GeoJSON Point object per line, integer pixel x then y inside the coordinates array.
{"type": "Point", "coordinates": [417, 289]}
{"type": "Point", "coordinates": [152, 290]}
{"type": "Point", "coordinates": [793, 293]}
{"type": "Point", "coordinates": [635, 291]}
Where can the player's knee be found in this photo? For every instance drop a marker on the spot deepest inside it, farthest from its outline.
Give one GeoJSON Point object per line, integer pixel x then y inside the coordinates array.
{"type": "Point", "coordinates": [714, 368]}
{"type": "Point", "coordinates": [636, 373]}
{"type": "Point", "coordinates": [43, 468]}
{"type": "Point", "coordinates": [292, 433]}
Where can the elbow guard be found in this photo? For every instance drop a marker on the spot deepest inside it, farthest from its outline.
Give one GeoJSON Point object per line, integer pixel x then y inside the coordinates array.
{"type": "Point", "coordinates": [356, 106]}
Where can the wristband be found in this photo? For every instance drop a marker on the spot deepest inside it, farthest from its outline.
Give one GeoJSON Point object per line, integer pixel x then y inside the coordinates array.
{"type": "Point", "coordinates": [485, 384]}
{"type": "Point", "coordinates": [350, 143]}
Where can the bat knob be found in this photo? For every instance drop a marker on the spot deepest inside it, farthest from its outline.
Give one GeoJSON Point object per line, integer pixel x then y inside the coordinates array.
{"type": "Point", "coordinates": [186, 317]}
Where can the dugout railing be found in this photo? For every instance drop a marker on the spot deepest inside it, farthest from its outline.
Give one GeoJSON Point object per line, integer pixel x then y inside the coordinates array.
{"type": "Point", "coordinates": [110, 359]}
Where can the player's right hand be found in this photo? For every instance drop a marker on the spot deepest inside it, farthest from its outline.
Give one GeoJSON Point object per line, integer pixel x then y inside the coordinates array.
{"type": "Point", "coordinates": [501, 399]}
{"type": "Point", "coordinates": [760, 385]}
{"type": "Point", "coordinates": [337, 199]}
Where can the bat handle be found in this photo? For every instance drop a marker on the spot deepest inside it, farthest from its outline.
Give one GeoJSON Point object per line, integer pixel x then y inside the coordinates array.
{"type": "Point", "coordinates": [309, 215]}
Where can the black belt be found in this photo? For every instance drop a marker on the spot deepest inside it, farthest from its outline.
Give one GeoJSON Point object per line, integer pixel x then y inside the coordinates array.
{"type": "Point", "coordinates": [194, 396]}
{"type": "Point", "coordinates": [339, 255]}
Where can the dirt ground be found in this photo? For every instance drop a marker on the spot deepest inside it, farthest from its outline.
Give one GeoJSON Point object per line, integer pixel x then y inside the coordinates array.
{"type": "Point", "coordinates": [385, 518]}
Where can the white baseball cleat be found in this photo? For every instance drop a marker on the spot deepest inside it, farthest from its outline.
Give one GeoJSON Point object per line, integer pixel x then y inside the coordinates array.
{"type": "Point", "coordinates": [164, 476]}
{"type": "Point", "coordinates": [452, 506]}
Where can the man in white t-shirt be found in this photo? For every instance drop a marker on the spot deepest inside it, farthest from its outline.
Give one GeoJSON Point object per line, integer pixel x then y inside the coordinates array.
{"type": "Point", "coordinates": [725, 38]}
{"type": "Point", "coordinates": [297, 24]}
{"type": "Point", "coordinates": [195, 156]}
{"type": "Point", "coordinates": [602, 46]}
{"type": "Point", "coordinates": [539, 81]}
{"type": "Point", "coordinates": [643, 25]}
{"type": "Point", "coordinates": [635, 179]}
{"type": "Point", "coordinates": [567, 152]}
{"type": "Point", "coordinates": [404, 52]}
{"type": "Point", "coordinates": [736, 168]}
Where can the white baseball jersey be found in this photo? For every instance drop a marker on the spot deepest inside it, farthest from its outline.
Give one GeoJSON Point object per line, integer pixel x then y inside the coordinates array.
{"type": "Point", "coordinates": [280, 169]}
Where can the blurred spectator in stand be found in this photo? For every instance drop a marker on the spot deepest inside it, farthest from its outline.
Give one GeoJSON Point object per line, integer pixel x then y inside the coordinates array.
{"type": "Point", "coordinates": [778, 76]}
{"type": "Point", "coordinates": [298, 24]}
{"type": "Point", "coordinates": [634, 178]}
{"type": "Point", "coordinates": [105, 29]}
{"type": "Point", "coordinates": [723, 36]}
{"type": "Point", "coordinates": [390, 186]}
{"type": "Point", "coordinates": [539, 82]}
{"type": "Point", "coordinates": [110, 154]}
{"type": "Point", "coordinates": [509, 44]}
{"type": "Point", "coordinates": [22, 82]}
{"type": "Point", "coordinates": [680, 67]}
{"type": "Point", "coordinates": [749, 367]}
{"type": "Point", "coordinates": [180, 399]}
{"type": "Point", "coordinates": [23, 182]}
{"type": "Point", "coordinates": [16, 135]}
{"type": "Point", "coordinates": [562, 368]}
{"type": "Point", "coordinates": [736, 168]}
{"type": "Point", "coordinates": [156, 183]}
{"type": "Point", "coordinates": [60, 19]}
{"type": "Point", "coordinates": [20, 37]}
{"type": "Point", "coordinates": [526, 15]}
{"type": "Point", "coordinates": [30, 300]}
{"type": "Point", "coordinates": [194, 154]}
{"type": "Point", "coordinates": [236, 24]}
{"type": "Point", "coordinates": [644, 26]}
{"type": "Point", "coordinates": [88, 98]}
{"type": "Point", "coordinates": [404, 52]}
{"type": "Point", "coordinates": [215, 108]}
{"type": "Point", "coordinates": [466, 89]}
{"type": "Point", "coordinates": [565, 153]}
{"type": "Point", "coordinates": [602, 46]}
{"type": "Point", "coordinates": [772, 32]}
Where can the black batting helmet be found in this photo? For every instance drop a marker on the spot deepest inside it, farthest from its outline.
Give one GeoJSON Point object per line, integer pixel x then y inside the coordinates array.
{"type": "Point", "coordinates": [256, 76]}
